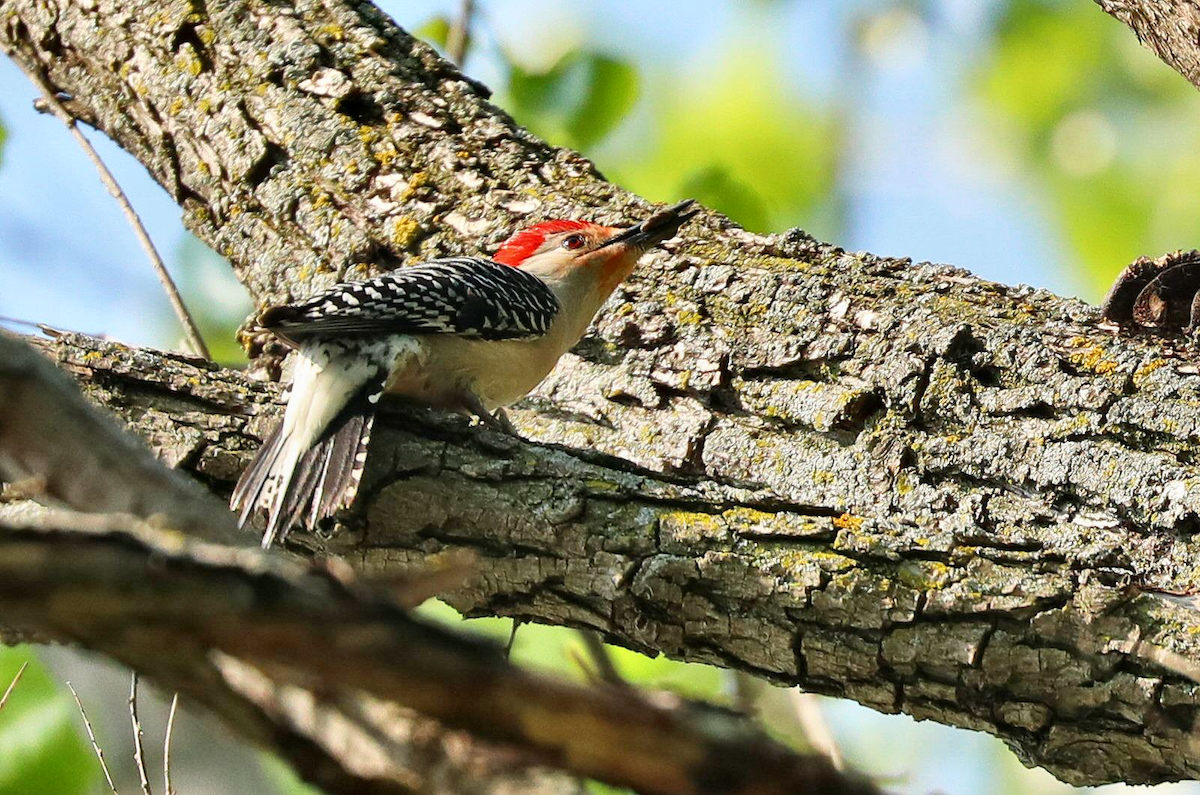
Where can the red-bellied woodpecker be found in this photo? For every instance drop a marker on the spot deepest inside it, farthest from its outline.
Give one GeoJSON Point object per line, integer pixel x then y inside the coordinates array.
{"type": "Point", "coordinates": [466, 333]}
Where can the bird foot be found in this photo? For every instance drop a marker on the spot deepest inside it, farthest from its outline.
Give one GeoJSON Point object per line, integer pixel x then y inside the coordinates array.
{"type": "Point", "coordinates": [496, 420]}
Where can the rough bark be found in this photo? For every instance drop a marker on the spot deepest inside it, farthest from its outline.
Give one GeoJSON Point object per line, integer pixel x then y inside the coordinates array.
{"type": "Point", "coordinates": [890, 482]}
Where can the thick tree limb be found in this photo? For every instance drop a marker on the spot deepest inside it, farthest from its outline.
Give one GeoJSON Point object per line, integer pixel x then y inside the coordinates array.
{"type": "Point", "coordinates": [889, 482]}
{"type": "Point", "coordinates": [203, 618]}
{"type": "Point", "coordinates": [173, 609]}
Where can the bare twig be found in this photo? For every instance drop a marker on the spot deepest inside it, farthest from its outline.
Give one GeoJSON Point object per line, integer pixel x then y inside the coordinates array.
{"type": "Point", "coordinates": [87, 724]}
{"type": "Point", "coordinates": [55, 106]}
{"type": "Point", "coordinates": [456, 38]}
{"type": "Point", "coordinates": [606, 669]}
{"type": "Point", "coordinates": [512, 637]}
{"type": "Point", "coordinates": [139, 751]}
{"type": "Point", "coordinates": [13, 684]}
{"type": "Point", "coordinates": [816, 730]}
{"type": "Point", "coordinates": [167, 745]}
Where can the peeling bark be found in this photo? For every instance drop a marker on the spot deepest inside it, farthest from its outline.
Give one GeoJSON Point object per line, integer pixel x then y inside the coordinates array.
{"type": "Point", "coordinates": [890, 482]}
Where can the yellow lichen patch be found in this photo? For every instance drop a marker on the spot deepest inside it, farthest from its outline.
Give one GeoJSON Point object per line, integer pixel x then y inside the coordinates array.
{"type": "Point", "coordinates": [187, 62]}
{"type": "Point", "coordinates": [848, 521]}
{"type": "Point", "coordinates": [1092, 357]}
{"type": "Point", "coordinates": [823, 477]}
{"type": "Point", "coordinates": [748, 516]}
{"type": "Point", "coordinates": [924, 575]}
{"type": "Point", "coordinates": [386, 155]}
{"type": "Point", "coordinates": [415, 183]}
{"type": "Point", "coordinates": [405, 230]}
{"type": "Point", "coordinates": [335, 32]}
{"type": "Point", "coordinates": [175, 106]}
{"type": "Point", "coordinates": [1143, 372]}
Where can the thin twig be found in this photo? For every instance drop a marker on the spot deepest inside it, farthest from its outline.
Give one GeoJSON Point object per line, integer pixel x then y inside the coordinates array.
{"type": "Point", "coordinates": [49, 331]}
{"type": "Point", "coordinates": [816, 730]}
{"type": "Point", "coordinates": [139, 752]}
{"type": "Point", "coordinates": [185, 318]}
{"type": "Point", "coordinates": [512, 637]}
{"type": "Point", "coordinates": [13, 684]}
{"type": "Point", "coordinates": [606, 669]}
{"type": "Point", "coordinates": [167, 745]}
{"type": "Point", "coordinates": [87, 724]}
{"type": "Point", "coordinates": [456, 38]}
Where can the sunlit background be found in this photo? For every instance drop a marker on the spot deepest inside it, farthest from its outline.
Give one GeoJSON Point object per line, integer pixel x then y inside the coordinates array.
{"type": "Point", "coordinates": [1029, 141]}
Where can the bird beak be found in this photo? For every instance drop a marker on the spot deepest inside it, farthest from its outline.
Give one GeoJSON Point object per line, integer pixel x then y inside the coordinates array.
{"type": "Point", "coordinates": [655, 229]}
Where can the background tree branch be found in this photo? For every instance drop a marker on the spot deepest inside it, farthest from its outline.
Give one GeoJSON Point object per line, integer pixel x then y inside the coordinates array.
{"type": "Point", "coordinates": [888, 482]}
{"type": "Point", "coordinates": [1168, 28]}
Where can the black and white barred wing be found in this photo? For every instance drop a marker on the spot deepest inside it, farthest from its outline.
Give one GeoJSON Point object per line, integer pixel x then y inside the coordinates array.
{"type": "Point", "coordinates": [467, 296]}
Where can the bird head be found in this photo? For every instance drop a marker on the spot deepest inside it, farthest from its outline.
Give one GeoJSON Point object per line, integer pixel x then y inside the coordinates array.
{"type": "Point", "coordinates": [572, 254]}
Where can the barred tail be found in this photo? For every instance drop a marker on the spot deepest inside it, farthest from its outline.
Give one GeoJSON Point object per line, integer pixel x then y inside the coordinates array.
{"type": "Point", "coordinates": [310, 466]}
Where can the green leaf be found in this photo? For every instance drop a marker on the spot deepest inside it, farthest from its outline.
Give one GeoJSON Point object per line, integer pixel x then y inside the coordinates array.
{"type": "Point", "coordinates": [43, 749]}
{"type": "Point", "coordinates": [612, 90]}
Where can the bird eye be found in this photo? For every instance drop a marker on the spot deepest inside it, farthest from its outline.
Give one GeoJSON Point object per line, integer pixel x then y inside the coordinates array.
{"type": "Point", "coordinates": [573, 242]}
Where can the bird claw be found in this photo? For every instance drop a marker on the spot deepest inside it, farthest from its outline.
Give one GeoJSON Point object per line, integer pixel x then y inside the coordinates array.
{"type": "Point", "coordinates": [499, 420]}
{"type": "Point", "coordinates": [496, 420]}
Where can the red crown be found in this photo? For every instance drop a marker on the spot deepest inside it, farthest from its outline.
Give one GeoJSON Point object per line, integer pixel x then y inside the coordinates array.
{"type": "Point", "coordinates": [523, 244]}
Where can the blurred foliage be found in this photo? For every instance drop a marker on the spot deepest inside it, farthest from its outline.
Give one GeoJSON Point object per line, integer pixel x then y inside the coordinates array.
{"type": "Point", "coordinates": [559, 650]}
{"type": "Point", "coordinates": [436, 31]}
{"type": "Point", "coordinates": [736, 139]}
{"type": "Point", "coordinates": [42, 745]}
{"type": "Point", "coordinates": [3, 137]}
{"type": "Point", "coordinates": [1105, 127]}
{"type": "Point", "coordinates": [577, 102]}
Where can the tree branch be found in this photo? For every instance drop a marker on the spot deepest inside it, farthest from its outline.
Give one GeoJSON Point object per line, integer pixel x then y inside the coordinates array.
{"type": "Point", "coordinates": [1168, 28]}
{"type": "Point", "coordinates": [164, 607]}
{"type": "Point", "coordinates": [878, 480]}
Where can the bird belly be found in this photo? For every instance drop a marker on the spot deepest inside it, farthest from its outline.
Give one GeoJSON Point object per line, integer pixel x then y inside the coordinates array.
{"type": "Point", "coordinates": [498, 372]}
